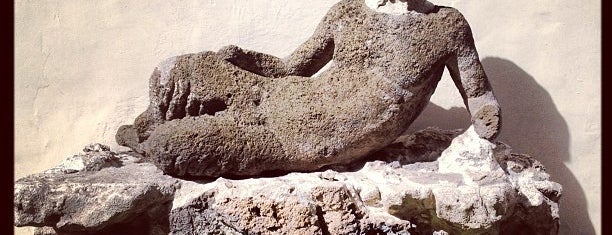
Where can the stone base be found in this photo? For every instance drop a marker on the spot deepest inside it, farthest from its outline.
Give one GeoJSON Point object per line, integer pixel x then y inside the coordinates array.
{"type": "Point", "coordinates": [402, 189]}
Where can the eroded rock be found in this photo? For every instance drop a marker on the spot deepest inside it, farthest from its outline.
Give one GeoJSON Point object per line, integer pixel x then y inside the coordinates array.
{"type": "Point", "coordinates": [93, 199]}
{"type": "Point", "coordinates": [392, 192]}
{"type": "Point", "coordinates": [95, 157]}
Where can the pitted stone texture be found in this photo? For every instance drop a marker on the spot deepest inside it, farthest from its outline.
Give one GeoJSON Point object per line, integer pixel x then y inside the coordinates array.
{"type": "Point", "coordinates": [472, 157]}
{"type": "Point", "coordinates": [278, 206]}
{"type": "Point", "coordinates": [240, 112]}
{"type": "Point", "coordinates": [99, 200]}
{"type": "Point", "coordinates": [45, 231]}
{"type": "Point", "coordinates": [400, 7]}
{"type": "Point", "coordinates": [393, 192]}
{"type": "Point", "coordinates": [414, 198]}
{"type": "Point", "coordinates": [95, 157]}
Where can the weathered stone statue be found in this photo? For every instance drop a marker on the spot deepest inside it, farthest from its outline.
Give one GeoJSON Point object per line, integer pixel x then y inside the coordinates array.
{"type": "Point", "coordinates": [241, 112]}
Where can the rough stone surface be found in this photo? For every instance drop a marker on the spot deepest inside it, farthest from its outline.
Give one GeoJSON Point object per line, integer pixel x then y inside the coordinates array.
{"type": "Point", "coordinates": [472, 157]}
{"type": "Point", "coordinates": [241, 112]}
{"type": "Point", "coordinates": [402, 189]}
{"type": "Point", "coordinates": [45, 231]}
{"type": "Point", "coordinates": [96, 157]}
{"type": "Point", "coordinates": [400, 7]}
{"type": "Point", "coordinates": [91, 200]}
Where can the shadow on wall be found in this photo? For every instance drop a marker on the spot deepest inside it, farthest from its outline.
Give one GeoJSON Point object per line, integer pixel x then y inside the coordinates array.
{"type": "Point", "coordinates": [531, 125]}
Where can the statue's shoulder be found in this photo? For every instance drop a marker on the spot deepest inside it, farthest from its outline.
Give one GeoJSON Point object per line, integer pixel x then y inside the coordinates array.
{"type": "Point", "coordinates": [344, 8]}
{"type": "Point", "coordinates": [451, 18]}
{"type": "Point", "coordinates": [348, 3]}
{"type": "Point", "coordinates": [449, 13]}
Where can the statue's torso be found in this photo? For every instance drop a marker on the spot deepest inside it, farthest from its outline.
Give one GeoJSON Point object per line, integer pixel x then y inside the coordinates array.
{"type": "Point", "coordinates": [406, 49]}
{"type": "Point", "coordinates": [384, 70]}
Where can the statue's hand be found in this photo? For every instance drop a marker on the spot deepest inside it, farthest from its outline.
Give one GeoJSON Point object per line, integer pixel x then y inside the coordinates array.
{"type": "Point", "coordinates": [230, 52]}
{"type": "Point", "coordinates": [252, 61]}
{"type": "Point", "coordinates": [487, 121]}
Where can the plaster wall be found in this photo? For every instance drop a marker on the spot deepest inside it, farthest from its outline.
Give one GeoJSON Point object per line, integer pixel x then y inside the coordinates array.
{"type": "Point", "coordinates": [81, 71]}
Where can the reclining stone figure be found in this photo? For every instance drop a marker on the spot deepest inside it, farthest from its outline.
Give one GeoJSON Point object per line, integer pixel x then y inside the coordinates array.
{"type": "Point", "coordinates": [241, 112]}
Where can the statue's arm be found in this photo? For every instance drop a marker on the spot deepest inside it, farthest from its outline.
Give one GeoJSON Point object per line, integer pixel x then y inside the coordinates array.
{"type": "Point", "coordinates": [306, 60]}
{"type": "Point", "coordinates": [470, 78]}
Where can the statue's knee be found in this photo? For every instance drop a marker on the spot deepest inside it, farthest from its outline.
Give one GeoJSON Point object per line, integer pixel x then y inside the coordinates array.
{"type": "Point", "coordinates": [127, 136]}
{"type": "Point", "coordinates": [184, 153]}
{"type": "Point", "coordinates": [144, 124]}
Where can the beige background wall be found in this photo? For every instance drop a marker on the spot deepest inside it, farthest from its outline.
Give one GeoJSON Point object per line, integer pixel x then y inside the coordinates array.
{"type": "Point", "coordinates": [81, 70]}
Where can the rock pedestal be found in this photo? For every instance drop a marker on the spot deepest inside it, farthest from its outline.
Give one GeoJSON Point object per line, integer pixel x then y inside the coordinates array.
{"type": "Point", "coordinates": [430, 182]}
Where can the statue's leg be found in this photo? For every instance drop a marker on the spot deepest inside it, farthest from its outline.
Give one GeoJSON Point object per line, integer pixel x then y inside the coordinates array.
{"type": "Point", "coordinates": [207, 117]}
{"type": "Point", "coordinates": [188, 85]}
{"type": "Point", "coordinates": [214, 146]}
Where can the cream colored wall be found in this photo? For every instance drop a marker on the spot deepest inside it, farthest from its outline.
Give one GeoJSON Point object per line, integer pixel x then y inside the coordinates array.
{"type": "Point", "coordinates": [81, 70]}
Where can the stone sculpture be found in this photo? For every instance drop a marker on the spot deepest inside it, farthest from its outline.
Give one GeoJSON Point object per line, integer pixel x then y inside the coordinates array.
{"type": "Point", "coordinates": [241, 112]}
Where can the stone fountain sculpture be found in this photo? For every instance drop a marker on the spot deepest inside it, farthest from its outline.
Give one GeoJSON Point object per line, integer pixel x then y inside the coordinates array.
{"type": "Point", "coordinates": [325, 154]}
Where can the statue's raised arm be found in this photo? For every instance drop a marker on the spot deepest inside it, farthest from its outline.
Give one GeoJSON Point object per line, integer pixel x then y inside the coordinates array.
{"type": "Point", "coordinates": [470, 78]}
{"type": "Point", "coordinates": [305, 61]}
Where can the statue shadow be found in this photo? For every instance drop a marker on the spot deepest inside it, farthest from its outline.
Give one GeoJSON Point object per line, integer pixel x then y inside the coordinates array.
{"type": "Point", "coordinates": [531, 125]}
